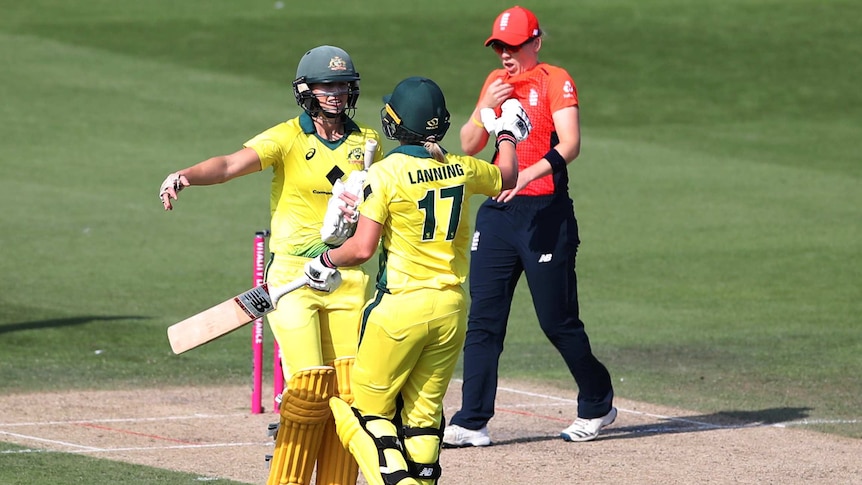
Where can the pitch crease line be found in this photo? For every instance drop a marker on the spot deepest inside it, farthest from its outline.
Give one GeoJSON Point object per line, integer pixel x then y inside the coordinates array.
{"type": "Point", "coordinates": [124, 420]}
{"type": "Point", "coordinates": [623, 410]}
{"type": "Point", "coordinates": [53, 442]}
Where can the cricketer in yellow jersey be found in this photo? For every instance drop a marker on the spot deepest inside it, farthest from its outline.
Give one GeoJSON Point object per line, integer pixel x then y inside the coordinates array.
{"type": "Point", "coordinates": [317, 331]}
{"type": "Point", "coordinates": [416, 203]}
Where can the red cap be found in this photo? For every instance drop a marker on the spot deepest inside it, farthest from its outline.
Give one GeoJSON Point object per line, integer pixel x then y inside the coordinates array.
{"type": "Point", "coordinates": [514, 27]}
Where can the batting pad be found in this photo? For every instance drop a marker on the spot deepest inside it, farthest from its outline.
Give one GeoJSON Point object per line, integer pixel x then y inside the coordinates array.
{"type": "Point", "coordinates": [304, 411]}
{"type": "Point", "coordinates": [373, 443]}
{"type": "Point", "coordinates": [424, 453]}
{"type": "Point", "coordinates": [335, 465]}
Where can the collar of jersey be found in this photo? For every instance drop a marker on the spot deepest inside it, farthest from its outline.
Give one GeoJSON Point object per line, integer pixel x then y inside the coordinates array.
{"type": "Point", "coordinates": [307, 125]}
{"type": "Point", "coordinates": [412, 150]}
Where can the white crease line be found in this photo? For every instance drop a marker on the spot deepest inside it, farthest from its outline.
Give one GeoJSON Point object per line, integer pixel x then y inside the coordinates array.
{"type": "Point", "coordinates": [53, 442]}
{"type": "Point", "coordinates": [124, 420]}
{"type": "Point", "coordinates": [699, 424]}
{"type": "Point", "coordinates": [805, 422]}
{"type": "Point", "coordinates": [144, 448]}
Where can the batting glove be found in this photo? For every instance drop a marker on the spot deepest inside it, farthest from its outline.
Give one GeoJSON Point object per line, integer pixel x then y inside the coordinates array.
{"type": "Point", "coordinates": [171, 187]}
{"type": "Point", "coordinates": [322, 274]}
{"type": "Point", "coordinates": [490, 120]}
{"type": "Point", "coordinates": [514, 120]}
{"type": "Point", "coordinates": [337, 226]}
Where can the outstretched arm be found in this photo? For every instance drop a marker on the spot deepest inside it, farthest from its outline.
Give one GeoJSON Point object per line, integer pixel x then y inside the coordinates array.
{"type": "Point", "coordinates": [215, 170]}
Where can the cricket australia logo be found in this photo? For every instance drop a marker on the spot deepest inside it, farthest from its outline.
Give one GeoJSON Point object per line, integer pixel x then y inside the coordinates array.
{"type": "Point", "coordinates": [255, 302]}
{"type": "Point", "coordinates": [355, 156]}
{"type": "Point", "coordinates": [337, 64]}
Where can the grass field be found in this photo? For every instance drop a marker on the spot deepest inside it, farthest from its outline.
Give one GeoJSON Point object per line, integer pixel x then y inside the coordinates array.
{"type": "Point", "coordinates": [718, 191]}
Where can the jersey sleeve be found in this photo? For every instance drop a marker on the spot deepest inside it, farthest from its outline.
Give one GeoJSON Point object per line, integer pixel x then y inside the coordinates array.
{"type": "Point", "coordinates": [562, 92]}
{"type": "Point", "coordinates": [273, 144]}
{"type": "Point", "coordinates": [486, 178]}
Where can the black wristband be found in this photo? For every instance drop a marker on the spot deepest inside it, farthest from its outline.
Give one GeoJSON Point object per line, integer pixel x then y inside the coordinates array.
{"type": "Point", "coordinates": [325, 259]}
{"type": "Point", "coordinates": [558, 163]}
{"type": "Point", "coordinates": [505, 136]}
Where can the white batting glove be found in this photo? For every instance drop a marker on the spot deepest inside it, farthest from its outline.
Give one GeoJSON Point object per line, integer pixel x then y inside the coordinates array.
{"type": "Point", "coordinates": [171, 187]}
{"type": "Point", "coordinates": [490, 120]}
{"type": "Point", "coordinates": [514, 120]}
{"type": "Point", "coordinates": [338, 226]}
{"type": "Point", "coordinates": [322, 276]}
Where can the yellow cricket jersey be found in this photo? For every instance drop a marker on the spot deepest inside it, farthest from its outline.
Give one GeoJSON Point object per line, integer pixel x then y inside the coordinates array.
{"type": "Point", "coordinates": [423, 206]}
{"type": "Point", "coordinates": [305, 168]}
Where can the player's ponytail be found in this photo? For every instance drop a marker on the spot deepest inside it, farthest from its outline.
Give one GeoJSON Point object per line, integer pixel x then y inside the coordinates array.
{"type": "Point", "coordinates": [435, 150]}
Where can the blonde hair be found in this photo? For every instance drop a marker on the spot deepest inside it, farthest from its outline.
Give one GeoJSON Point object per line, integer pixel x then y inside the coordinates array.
{"type": "Point", "coordinates": [435, 150]}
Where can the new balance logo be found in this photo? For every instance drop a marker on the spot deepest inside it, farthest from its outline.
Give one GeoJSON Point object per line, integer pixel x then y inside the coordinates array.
{"type": "Point", "coordinates": [546, 258]}
{"type": "Point", "coordinates": [255, 302]}
{"type": "Point", "coordinates": [475, 244]}
{"type": "Point", "coordinates": [426, 472]}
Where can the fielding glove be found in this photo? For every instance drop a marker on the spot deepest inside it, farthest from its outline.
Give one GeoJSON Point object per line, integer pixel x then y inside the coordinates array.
{"type": "Point", "coordinates": [322, 275]}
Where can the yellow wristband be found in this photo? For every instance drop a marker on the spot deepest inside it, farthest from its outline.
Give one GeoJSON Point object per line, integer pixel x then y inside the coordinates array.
{"type": "Point", "coordinates": [477, 122]}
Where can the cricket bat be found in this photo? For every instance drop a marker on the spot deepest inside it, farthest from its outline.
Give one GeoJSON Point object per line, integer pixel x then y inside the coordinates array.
{"type": "Point", "coordinates": [228, 315]}
{"type": "Point", "coordinates": [370, 149]}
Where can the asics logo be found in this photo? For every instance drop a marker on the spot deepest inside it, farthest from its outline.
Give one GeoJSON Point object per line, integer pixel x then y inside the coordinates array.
{"type": "Point", "coordinates": [310, 153]}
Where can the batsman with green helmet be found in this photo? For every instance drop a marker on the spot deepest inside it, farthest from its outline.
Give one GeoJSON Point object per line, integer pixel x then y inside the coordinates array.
{"type": "Point", "coordinates": [417, 204]}
{"type": "Point", "coordinates": [317, 331]}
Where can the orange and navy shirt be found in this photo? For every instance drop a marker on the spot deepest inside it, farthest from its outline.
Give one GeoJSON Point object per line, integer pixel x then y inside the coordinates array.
{"type": "Point", "coordinates": [541, 91]}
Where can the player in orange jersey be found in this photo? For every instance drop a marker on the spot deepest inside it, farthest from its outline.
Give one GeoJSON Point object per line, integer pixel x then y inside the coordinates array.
{"type": "Point", "coordinates": [529, 229]}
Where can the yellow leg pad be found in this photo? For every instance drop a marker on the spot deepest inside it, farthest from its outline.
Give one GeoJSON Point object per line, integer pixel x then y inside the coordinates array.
{"type": "Point", "coordinates": [335, 465]}
{"type": "Point", "coordinates": [424, 450]}
{"type": "Point", "coordinates": [343, 367]}
{"type": "Point", "coordinates": [304, 412]}
{"type": "Point", "coordinates": [363, 446]}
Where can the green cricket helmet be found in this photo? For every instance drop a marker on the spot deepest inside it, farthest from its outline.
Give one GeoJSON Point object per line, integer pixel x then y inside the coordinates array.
{"type": "Point", "coordinates": [415, 112]}
{"type": "Point", "coordinates": [325, 64]}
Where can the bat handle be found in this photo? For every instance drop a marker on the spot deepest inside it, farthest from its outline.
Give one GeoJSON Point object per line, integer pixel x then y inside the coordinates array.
{"type": "Point", "coordinates": [280, 291]}
{"type": "Point", "coordinates": [370, 149]}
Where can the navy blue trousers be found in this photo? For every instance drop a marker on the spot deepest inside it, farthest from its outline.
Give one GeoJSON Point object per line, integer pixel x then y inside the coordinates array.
{"type": "Point", "coordinates": [536, 236]}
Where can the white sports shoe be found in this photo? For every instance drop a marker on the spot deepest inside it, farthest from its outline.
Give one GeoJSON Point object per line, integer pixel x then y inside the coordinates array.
{"type": "Point", "coordinates": [455, 436]}
{"type": "Point", "coordinates": [588, 429]}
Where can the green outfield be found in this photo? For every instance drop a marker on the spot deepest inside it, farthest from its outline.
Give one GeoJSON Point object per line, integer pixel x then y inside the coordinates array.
{"type": "Point", "coordinates": [718, 192]}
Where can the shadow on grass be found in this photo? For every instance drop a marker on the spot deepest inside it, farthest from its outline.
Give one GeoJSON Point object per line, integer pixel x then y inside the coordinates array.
{"type": "Point", "coordinates": [64, 322]}
{"type": "Point", "coordinates": [721, 420]}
